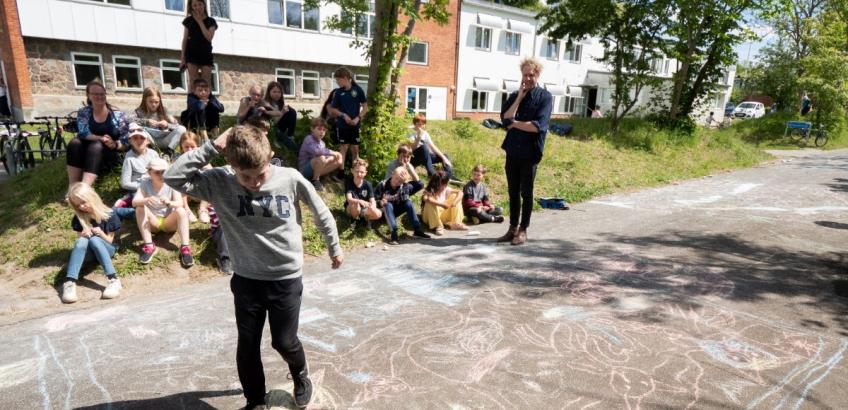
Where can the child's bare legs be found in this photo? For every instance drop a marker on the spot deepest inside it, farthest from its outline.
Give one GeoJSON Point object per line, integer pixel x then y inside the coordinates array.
{"type": "Point", "coordinates": [343, 151]}
{"type": "Point", "coordinates": [203, 212]}
{"type": "Point", "coordinates": [324, 164]}
{"type": "Point", "coordinates": [146, 222]}
{"type": "Point", "coordinates": [177, 221]}
{"type": "Point", "coordinates": [206, 74]}
{"type": "Point", "coordinates": [373, 214]}
{"type": "Point", "coordinates": [191, 216]}
{"type": "Point", "coordinates": [354, 150]}
{"type": "Point", "coordinates": [353, 210]}
{"type": "Point", "coordinates": [192, 73]}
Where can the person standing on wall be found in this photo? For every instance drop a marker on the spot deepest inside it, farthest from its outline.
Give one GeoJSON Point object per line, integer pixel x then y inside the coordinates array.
{"type": "Point", "coordinates": [525, 115]}
{"type": "Point", "coordinates": [196, 54]}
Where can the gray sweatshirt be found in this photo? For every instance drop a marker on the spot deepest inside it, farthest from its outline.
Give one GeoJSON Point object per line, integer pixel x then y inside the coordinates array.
{"type": "Point", "coordinates": [135, 168]}
{"type": "Point", "coordinates": [263, 228]}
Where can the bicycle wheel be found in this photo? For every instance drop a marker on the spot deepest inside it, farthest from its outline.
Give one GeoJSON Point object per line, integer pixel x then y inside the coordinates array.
{"type": "Point", "coordinates": [45, 145]}
{"type": "Point", "coordinates": [821, 138]}
{"type": "Point", "coordinates": [796, 135]}
{"type": "Point", "coordinates": [61, 146]}
{"type": "Point", "coordinates": [27, 157]}
{"type": "Point", "coordinates": [5, 151]}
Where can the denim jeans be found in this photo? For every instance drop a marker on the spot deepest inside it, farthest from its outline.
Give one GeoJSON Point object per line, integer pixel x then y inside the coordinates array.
{"type": "Point", "coordinates": [88, 249]}
{"type": "Point", "coordinates": [285, 130]}
{"type": "Point", "coordinates": [423, 156]}
{"type": "Point", "coordinates": [394, 210]}
{"type": "Point", "coordinates": [167, 138]}
{"type": "Point", "coordinates": [124, 213]}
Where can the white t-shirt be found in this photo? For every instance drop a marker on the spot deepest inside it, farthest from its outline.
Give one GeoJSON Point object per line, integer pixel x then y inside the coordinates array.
{"type": "Point", "coordinates": [2, 90]}
{"type": "Point", "coordinates": [425, 138]}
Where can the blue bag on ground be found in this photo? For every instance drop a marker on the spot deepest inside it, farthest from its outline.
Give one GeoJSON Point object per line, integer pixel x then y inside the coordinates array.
{"type": "Point", "coordinates": [560, 129]}
{"type": "Point", "coordinates": [553, 203]}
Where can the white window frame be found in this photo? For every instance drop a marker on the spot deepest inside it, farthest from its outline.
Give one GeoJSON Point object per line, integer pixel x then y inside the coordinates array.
{"type": "Point", "coordinates": [546, 48]}
{"type": "Point", "coordinates": [113, 4]}
{"type": "Point", "coordinates": [426, 53]}
{"type": "Point", "coordinates": [282, 4]}
{"type": "Point", "coordinates": [74, 62]}
{"type": "Point", "coordinates": [307, 75]}
{"type": "Point", "coordinates": [362, 79]}
{"type": "Point", "coordinates": [485, 95]}
{"type": "Point", "coordinates": [369, 16]}
{"type": "Point", "coordinates": [209, 10]}
{"type": "Point", "coordinates": [507, 34]}
{"type": "Point", "coordinates": [162, 70]}
{"type": "Point", "coordinates": [286, 73]}
{"type": "Point", "coordinates": [285, 16]}
{"type": "Point", "coordinates": [216, 80]}
{"type": "Point", "coordinates": [569, 52]}
{"type": "Point", "coordinates": [417, 109]}
{"type": "Point", "coordinates": [137, 66]}
{"type": "Point", "coordinates": [477, 31]}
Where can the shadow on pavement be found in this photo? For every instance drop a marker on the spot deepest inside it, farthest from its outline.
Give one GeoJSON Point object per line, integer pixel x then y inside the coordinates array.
{"type": "Point", "coordinates": [188, 401]}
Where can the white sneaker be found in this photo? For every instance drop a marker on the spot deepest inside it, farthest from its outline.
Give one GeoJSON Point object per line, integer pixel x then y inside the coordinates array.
{"type": "Point", "coordinates": [113, 289]}
{"type": "Point", "coordinates": [69, 292]}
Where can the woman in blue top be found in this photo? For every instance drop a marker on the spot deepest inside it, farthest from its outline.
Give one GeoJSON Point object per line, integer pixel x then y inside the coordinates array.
{"type": "Point", "coordinates": [349, 106]}
{"type": "Point", "coordinates": [199, 29]}
{"type": "Point", "coordinates": [102, 134]}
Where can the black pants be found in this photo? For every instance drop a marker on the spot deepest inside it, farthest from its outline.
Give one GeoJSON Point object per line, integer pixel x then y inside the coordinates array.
{"type": "Point", "coordinates": [220, 242]}
{"type": "Point", "coordinates": [483, 216]}
{"type": "Point", "coordinates": [281, 300]}
{"type": "Point", "coordinates": [520, 176]}
{"type": "Point", "coordinates": [92, 156]}
{"type": "Point", "coordinates": [285, 130]}
{"type": "Point", "coordinates": [423, 156]}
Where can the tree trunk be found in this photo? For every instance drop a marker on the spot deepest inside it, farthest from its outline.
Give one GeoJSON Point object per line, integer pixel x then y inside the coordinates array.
{"type": "Point", "coordinates": [404, 50]}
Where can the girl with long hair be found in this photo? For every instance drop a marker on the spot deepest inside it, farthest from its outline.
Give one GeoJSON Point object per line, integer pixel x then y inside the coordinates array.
{"type": "Point", "coordinates": [152, 115]}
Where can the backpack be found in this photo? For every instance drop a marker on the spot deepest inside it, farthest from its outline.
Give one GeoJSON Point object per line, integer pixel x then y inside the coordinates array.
{"type": "Point", "coordinates": [560, 129]}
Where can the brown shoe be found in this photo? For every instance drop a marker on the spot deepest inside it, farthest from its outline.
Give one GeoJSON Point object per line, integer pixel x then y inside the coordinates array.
{"type": "Point", "coordinates": [507, 237]}
{"type": "Point", "coordinates": [520, 237]}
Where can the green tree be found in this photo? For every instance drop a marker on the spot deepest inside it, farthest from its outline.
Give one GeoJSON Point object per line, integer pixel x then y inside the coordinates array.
{"type": "Point", "coordinates": [825, 67]}
{"type": "Point", "coordinates": [631, 32]}
{"type": "Point", "coordinates": [386, 52]}
{"type": "Point", "coordinates": [703, 37]}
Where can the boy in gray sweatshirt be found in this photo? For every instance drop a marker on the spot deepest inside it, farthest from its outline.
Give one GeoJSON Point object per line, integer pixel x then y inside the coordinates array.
{"type": "Point", "coordinates": [258, 205]}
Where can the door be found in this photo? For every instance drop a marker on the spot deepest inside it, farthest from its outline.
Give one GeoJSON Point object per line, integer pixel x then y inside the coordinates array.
{"type": "Point", "coordinates": [591, 101]}
{"type": "Point", "coordinates": [437, 103]}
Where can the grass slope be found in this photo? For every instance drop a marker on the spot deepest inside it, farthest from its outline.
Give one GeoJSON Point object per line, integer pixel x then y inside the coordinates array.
{"type": "Point", "coordinates": [34, 223]}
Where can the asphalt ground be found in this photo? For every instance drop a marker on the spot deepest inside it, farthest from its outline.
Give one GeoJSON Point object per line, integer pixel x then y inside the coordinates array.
{"type": "Point", "coordinates": [719, 292]}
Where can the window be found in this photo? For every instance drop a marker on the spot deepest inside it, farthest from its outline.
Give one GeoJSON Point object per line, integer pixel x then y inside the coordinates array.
{"type": "Point", "coordinates": [479, 100]}
{"type": "Point", "coordinates": [216, 85]}
{"type": "Point", "coordinates": [362, 24]}
{"type": "Point", "coordinates": [657, 65]}
{"type": "Point", "coordinates": [219, 8]}
{"type": "Point", "coordinates": [309, 84]}
{"type": "Point", "coordinates": [513, 43]}
{"type": "Point", "coordinates": [175, 5]}
{"type": "Point", "coordinates": [362, 80]}
{"type": "Point", "coordinates": [127, 72]}
{"type": "Point", "coordinates": [286, 78]}
{"type": "Point", "coordinates": [483, 38]}
{"type": "Point", "coordinates": [295, 15]}
{"type": "Point", "coordinates": [173, 80]}
{"type": "Point", "coordinates": [604, 95]}
{"type": "Point", "coordinates": [417, 53]}
{"type": "Point", "coordinates": [550, 49]}
{"type": "Point", "coordinates": [416, 100]}
{"type": "Point", "coordinates": [573, 53]}
{"type": "Point", "coordinates": [121, 2]}
{"type": "Point", "coordinates": [568, 105]}
{"type": "Point", "coordinates": [87, 68]}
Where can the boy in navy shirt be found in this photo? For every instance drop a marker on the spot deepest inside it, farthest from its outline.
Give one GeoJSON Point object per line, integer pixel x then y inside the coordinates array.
{"type": "Point", "coordinates": [204, 110]}
{"type": "Point", "coordinates": [349, 106]}
{"type": "Point", "coordinates": [395, 201]}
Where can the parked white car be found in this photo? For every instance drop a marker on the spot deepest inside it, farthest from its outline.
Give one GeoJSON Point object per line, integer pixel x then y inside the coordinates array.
{"type": "Point", "coordinates": [749, 109]}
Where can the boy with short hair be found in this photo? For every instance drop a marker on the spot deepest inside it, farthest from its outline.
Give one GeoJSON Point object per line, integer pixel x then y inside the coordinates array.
{"type": "Point", "coordinates": [349, 106]}
{"type": "Point", "coordinates": [258, 205]}
{"type": "Point", "coordinates": [424, 150]}
{"type": "Point", "coordinates": [475, 199]}
{"type": "Point", "coordinates": [404, 160]}
{"type": "Point", "coordinates": [360, 203]}
{"type": "Point", "coordinates": [395, 201]}
{"type": "Point", "coordinates": [204, 110]}
{"type": "Point", "coordinates": [314, 159]}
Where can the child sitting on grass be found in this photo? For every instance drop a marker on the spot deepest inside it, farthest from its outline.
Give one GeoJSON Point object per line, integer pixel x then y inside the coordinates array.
{"type": "Point", "coordinates": [442, 205]}
{"type": "Point", "coordinates": [395, 201]}
{"type": "Point", "coordinates": [135, 167]}
{"type": "Point", "coordinates": [158, 208]}
{"type": "Point", "coordinates": [475, 199]}
{"type": "Point", "coordinates": [359, 195]}
{"type": "Point", "coordinates": [96, 226]}
{"type": "Point", "coordinates": [190, 141]}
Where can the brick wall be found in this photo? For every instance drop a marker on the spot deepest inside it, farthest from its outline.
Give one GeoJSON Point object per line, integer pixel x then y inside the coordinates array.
{"type": "Point", "coordinates": [54, 91]}
{"type": "Point", "coordinates": [440, 70]}
{"type": "Point", "coordinates": [13, 55]}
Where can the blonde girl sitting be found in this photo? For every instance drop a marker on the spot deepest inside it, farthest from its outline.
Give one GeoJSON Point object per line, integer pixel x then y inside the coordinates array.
{"type": "Point", "coordinates": [188, 142]}
{"type": "Point", "coordinates": [97, 228]}
{"type": "Point", "coordinates": [442, 205]}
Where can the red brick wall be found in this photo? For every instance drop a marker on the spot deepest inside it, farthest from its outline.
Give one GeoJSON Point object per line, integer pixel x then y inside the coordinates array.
{"type": "Point", "coordinates": [14, 56]}
{"type": "Point", "coordinates": [440, 70]}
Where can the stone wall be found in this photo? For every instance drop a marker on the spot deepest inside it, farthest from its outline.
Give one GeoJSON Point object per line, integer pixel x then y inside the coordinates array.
{"type": "Point", "coordinates": [54, 92]}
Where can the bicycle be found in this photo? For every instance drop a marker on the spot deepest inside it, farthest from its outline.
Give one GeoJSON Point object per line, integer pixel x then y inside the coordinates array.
{"type": "Point", "coordinates": [802, 131]}
{"type": "Point", "coordinates": [16, 152]}
{"type": "Point", "coordinates": [52, 142]}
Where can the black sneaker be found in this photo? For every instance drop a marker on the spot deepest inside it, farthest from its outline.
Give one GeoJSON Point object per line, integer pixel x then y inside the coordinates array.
{"type": "Point", "coordinates": [421, 234]}
{"type": "Point", "coordinates": [499, 218]}
{"type": "Point", "coordinates": [394, 238]}
{"type": "Point", "coordinates": [147, 252]}
{"type": "Point", "coordinates": [339, 176]}
{"type": "Point", "coordinates": [185, 256]}
{"type": "Point", "coordinates": [302, 389]}
{"type": "Point", "coordinates": [225, 266]}
{"type": "Point", "coordinates": [318, 185]}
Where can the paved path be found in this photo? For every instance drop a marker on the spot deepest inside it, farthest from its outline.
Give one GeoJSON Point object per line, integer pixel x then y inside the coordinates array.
{"type": "Point", "coordinates": [713, 293]}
